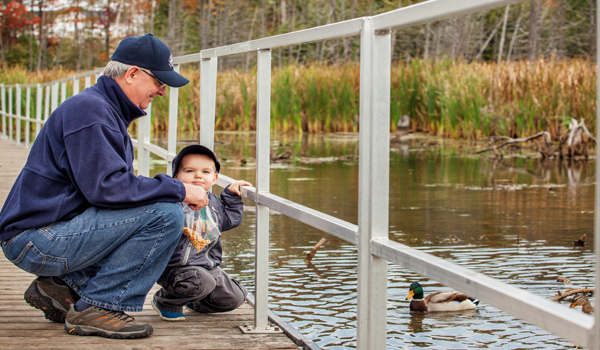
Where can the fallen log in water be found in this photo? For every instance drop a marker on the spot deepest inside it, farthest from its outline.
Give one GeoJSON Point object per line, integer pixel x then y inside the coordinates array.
{"type": "Point", "coordinates": [574, 143]}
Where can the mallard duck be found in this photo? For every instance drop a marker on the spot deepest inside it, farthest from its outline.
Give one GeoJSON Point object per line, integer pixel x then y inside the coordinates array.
{"type": "Point", "coordinates": [584, 302]}
{"type": "Point", "coordinates": [439, 301]}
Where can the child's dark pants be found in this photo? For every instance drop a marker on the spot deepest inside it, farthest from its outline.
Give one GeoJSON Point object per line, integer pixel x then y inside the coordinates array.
{"type": "Point", "coordinates": [210, 291]}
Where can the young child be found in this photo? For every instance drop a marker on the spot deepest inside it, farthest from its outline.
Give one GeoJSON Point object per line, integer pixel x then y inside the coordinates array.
{"type": "Point", "coordinates": [194, 279]}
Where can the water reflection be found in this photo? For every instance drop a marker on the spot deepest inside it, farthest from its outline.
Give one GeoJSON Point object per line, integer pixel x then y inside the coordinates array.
{"type": "Point", "coordinates": [514, 220]}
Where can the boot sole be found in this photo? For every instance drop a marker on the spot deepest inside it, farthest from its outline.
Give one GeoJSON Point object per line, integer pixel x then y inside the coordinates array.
{"type": "Point", "coordinates": [87, 330]}
{"type": "Point", "coordinates": [35, 298]}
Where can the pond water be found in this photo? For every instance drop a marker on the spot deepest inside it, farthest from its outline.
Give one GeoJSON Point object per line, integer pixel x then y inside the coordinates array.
{"type": "Point", "coordinates": [514, 220]}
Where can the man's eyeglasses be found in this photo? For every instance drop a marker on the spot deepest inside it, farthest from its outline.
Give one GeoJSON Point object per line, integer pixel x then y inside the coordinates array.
{"type": "Point", "coordinates": [162, 85]}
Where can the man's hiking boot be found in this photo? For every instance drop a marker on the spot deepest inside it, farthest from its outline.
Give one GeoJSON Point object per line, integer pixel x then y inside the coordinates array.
{"type": "Point", "coordinates": [52, 298]}
{"type": "Point", "coordinates": [105, 323]}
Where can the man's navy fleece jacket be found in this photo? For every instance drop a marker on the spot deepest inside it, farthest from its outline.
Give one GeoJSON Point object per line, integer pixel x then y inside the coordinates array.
{"type": "Point", "coordinates": [83, 157]}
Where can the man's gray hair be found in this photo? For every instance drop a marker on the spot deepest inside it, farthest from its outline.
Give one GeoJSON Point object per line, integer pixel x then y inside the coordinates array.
{"type": "Point", "coordinates": [115, 69]}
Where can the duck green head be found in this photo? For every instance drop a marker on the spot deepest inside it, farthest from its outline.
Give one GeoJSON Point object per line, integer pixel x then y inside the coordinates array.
{"type": "Point", "coordinates": [415, 291]}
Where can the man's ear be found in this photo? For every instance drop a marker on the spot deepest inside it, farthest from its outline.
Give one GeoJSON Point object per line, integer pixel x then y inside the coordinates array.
{"type": "Point", "coordinates": [216, 176]}
{"type": "Point", "coordinates": [131, 74]}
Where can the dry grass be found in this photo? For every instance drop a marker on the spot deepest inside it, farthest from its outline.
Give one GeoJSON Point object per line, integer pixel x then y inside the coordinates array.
{"type": "Point", "coordinates": [445, 98]}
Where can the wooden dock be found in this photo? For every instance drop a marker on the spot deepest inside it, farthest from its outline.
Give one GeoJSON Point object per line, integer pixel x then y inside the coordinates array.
{"type": "Point", "coordinates": [23, 327]}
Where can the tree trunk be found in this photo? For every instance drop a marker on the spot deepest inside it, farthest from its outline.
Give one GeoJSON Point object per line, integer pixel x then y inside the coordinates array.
{"type": "Point", "coordinates": [283, 13]}
{"type": "Point", "coordinates": [250, 37]}
{"type": "Point", "coordinates": [395, 32]}
{"type": "Point", "coordinates": [78, 40]}
{"type": "Point", "coordinates": [2, 51]}
{"type": "Point", "coordinates": [293, 26]}
{"type": "Point", "coordinates": [31, 48]}
{"type": "Point", "coordinates": [533, 31]}
{"type": "Point", "coordinates": [560, 49]}
{"type": "Point", "coordinates": [437, 40]}
{"type": "Point", "coordinates": [42, 37]}
{"type": "Point", "coordinates": [173, 21]}
{"type": "Point", "coordinates": [427, 34]}
{"type": "Point", "coordinates": [349, 42]}
{"type": "Point", "coordinates": [503, 35]}
{"type": "Point", "coordinates": [152, 16]}
{"type": "Point", "coordinates": [592, 29]}
{"type": "Point", "coordinates": [514, 36]}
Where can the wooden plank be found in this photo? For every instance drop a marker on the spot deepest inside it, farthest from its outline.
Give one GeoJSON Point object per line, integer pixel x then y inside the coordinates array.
{"type": "Point", "coordinates": [23, 327]}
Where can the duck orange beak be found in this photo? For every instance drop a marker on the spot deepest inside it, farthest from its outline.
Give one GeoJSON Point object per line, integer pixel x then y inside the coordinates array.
{"type": "Point", "coordinates": [410, 295]}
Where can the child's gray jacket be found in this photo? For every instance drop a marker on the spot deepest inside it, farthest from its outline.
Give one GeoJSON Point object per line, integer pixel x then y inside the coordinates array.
{"type": "Point", "coordinates": [230, 211]}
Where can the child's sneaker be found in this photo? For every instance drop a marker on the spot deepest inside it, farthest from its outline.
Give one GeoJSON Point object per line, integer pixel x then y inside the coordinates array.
{"type": "Point", "coordinates": [189, 306]}
{"type": "Point", "coordinates": [168, 315]}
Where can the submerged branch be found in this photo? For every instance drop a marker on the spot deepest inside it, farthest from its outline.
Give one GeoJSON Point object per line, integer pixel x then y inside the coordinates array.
{"type": "Point", "coordinates": [561, 295]}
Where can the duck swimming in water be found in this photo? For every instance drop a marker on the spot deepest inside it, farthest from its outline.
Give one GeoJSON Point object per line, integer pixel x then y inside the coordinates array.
{"type": "Point", "coordinates": [584, 302]}
{"type": "Point", "coordinates": [439, 301]}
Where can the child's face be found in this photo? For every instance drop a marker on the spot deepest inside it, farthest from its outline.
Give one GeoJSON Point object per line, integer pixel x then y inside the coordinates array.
{"type": "Point", "coordinates": [197, 169]}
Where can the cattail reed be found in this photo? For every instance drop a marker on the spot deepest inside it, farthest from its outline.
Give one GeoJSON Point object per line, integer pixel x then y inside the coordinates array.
{"type": "Point", "coordinates": [444, 98]}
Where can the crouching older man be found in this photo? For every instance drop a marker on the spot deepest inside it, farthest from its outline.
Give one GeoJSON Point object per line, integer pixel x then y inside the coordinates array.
{"type": "Point", "coordinates": [96, 235]}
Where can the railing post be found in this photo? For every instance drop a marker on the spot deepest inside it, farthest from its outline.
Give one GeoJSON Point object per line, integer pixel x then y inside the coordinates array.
{"type": "Point", "coordinates": [10, 112]}
{"type": "Point", "coordinates": [27, 116]}
{"type": "Point", "coordinates": [47, 102]}
{"type": "Point", "coordinates": [144, 124]}
{"type": "Point", "coordinates": [263, 144]}
{"type": "Point", "coordinates": [75, 85]}
{"type": "Point", "coordinates": [208, 100]}
{"type": "Point", "coordinates": [63, 91]}
{"type": "Point", "coordinates": [38, 109]}
{"type": "Point", "coordinates": [373, 196]}
{"type": "Point", "coordinates": [54, 97]}
{"type": "Point", "coordinates": [88, 81]}
{"type": "Point", "coordinates": [18, 115]}
{"type": "Point", "coordinates": [172, 131]}
{"type": "Point", "coordinates": [3, 115]}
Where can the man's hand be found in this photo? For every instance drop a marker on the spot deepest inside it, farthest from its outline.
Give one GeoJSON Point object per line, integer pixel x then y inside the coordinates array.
{"type": "Point", "coordinates": [195, 196]}
{"type": "Point", "coordinates": [235, 187]}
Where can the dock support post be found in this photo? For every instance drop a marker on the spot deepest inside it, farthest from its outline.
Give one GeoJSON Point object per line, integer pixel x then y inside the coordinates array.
{"type": "Point", "coordinates": [373, 193]}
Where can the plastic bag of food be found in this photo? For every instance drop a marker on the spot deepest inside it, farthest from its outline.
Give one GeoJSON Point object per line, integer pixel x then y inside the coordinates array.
{"type": "Point", "coordinates": [200, 226]}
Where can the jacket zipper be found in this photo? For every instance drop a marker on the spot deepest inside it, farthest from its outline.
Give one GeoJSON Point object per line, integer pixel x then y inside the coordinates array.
{"type": "Point", "coordinates": [212, 263]}
{"type": "Point", "coordinates": [186, 256]}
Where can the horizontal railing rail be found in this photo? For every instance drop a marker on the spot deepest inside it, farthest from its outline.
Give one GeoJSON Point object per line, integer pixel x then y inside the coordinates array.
{"type": "Point", "coordinates": [375, 249]}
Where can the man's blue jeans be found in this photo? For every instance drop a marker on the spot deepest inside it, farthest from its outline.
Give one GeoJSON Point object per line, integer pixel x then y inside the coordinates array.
{"type": "Point", "coordinates": [111, 258]}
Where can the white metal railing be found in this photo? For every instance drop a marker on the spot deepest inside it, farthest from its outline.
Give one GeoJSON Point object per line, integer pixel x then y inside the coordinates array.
{"type": "Point", "coordinates": [371, 234]}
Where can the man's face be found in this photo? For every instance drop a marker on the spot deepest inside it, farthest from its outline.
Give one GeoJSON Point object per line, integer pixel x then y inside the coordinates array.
{"type": "Point", "coordinates": [142, 87]}
{"type": "Point", "coordinates": [197, 169]}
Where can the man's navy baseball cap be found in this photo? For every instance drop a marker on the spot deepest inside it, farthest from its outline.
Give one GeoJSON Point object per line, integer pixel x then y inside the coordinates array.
{"type": "Point", "coordinates": [148, 52]}
{"type": "Point", "coordinates": [195, 149]}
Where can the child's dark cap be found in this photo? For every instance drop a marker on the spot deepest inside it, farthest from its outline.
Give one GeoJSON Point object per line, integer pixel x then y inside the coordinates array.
{"type": "Point", "coordinates": [195, 149]}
